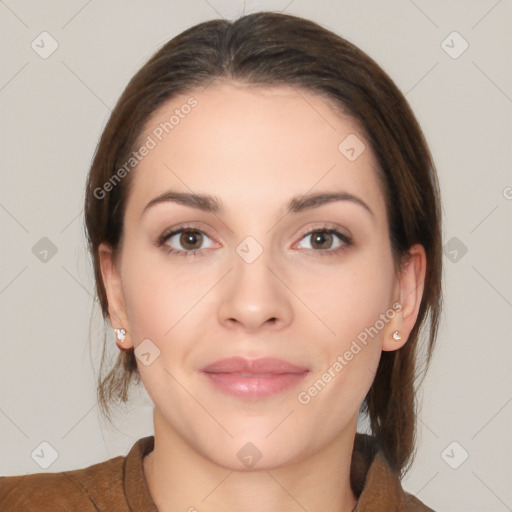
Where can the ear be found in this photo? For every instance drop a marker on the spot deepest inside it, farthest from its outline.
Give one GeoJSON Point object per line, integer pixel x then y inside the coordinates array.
{"type": "Point", "coordinates": [410, 286]}
{"type": "Point", "coordinates": [113, 288]}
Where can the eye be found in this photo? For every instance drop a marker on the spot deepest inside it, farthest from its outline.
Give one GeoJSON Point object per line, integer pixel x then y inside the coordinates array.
{"type": "Point", "coordinates": [326, 240]}
{"type": "Point", "coordinates": [189, 241]}
{"type": "Point", "coordinates": [184, 241]}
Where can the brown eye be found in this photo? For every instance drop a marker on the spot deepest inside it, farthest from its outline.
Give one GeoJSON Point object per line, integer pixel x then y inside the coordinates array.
{"type": "Point", "coordinates": [185, 241]}
{"type": "Point", "coordinates": [191, 240]}
{"type": "Point", "coordinates": [326, 241]}
{"type": "Point", "coordinates": [321, 240]}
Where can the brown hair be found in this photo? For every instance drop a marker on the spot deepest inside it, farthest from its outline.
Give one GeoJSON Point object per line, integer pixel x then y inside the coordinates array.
{"type": "Point", "coordinates": [266, 49]}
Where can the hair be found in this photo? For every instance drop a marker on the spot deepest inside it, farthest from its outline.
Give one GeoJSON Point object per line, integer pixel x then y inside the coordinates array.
{"type": "Point", "coordinates": [272, 49]}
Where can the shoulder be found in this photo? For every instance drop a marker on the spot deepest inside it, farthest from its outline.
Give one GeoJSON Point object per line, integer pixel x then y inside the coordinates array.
{"type": "Point", "coordinates": [413, 504]}
{"type": "Point", "coordinates": [376, 484]}
{"type": "Point", "coordinates": [97, 487]}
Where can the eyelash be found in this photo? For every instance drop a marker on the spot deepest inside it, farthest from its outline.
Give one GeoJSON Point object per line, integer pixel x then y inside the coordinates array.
{"type": "Point", "coordinates": [162, 239]}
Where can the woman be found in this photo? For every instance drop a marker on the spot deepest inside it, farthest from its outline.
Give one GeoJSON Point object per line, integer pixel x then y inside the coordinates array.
{"type": "Point", "coordinates": [263, 217]}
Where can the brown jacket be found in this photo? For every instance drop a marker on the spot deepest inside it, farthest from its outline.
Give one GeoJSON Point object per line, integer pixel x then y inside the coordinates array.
{"type": "Point", "coordinates": [118, 485]}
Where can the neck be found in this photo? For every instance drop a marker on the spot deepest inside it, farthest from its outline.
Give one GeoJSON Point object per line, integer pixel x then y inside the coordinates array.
{"type": "Point", "coordinates": [180, 478]}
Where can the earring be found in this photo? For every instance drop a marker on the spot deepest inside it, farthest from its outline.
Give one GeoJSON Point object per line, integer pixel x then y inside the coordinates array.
{"type": "Point", "coordinates": [121, 334]}
{"type": "Point", "coordinates": [396, 336]}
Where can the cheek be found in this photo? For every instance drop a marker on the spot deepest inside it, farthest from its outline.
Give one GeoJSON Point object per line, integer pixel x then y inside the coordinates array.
{"type": "Point", "coordinates": [159, 293]}
{"type": "Point", "coordinates": [350, 296]}
{"type": "Point", "coordinates": [355, 302]}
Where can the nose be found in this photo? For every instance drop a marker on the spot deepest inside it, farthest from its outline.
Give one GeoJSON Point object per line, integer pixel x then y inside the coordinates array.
{"type": "Point", "coordinates": [254, 297]}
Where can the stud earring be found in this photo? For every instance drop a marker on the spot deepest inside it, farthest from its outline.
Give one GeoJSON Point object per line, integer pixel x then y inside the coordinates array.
{"type": "Point", "coordinates": [121, 334]}
{"type": "Point", "coordinates": [396, 336]}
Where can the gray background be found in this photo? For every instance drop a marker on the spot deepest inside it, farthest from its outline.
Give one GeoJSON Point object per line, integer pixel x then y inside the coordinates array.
{"type": "Point", "coordinates": [53, 111]}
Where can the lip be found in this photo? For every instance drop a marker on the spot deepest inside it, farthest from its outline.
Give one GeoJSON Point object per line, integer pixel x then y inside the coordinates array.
{"type": "Point", "coordinates": [253, 379]}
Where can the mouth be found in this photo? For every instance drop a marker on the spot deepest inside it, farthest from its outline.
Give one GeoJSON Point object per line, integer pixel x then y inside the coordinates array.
{"type": "Point", "coordinates": [253, 379]}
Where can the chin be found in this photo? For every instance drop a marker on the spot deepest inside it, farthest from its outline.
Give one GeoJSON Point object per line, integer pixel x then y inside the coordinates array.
{"type": "Point", "coordinates": [249, 457]}
{"type": "Point", "coordinates": [255, 453]}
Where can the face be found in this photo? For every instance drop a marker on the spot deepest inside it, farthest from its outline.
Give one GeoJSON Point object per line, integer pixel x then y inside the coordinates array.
{"type": "Point", "coordinates": [242, 275]}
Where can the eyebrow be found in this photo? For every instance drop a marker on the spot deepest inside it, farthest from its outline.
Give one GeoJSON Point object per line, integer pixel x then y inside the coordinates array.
{"type": "Point", "coordinates": [212, 204]}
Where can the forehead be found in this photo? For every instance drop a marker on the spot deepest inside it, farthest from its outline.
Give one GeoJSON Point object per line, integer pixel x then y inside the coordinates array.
{"type": "Point", "coordinates": [253, 145]}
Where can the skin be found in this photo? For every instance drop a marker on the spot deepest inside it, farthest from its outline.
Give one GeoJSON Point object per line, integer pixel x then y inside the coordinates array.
{"type": "Point", "coordinates": [256, 148]}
